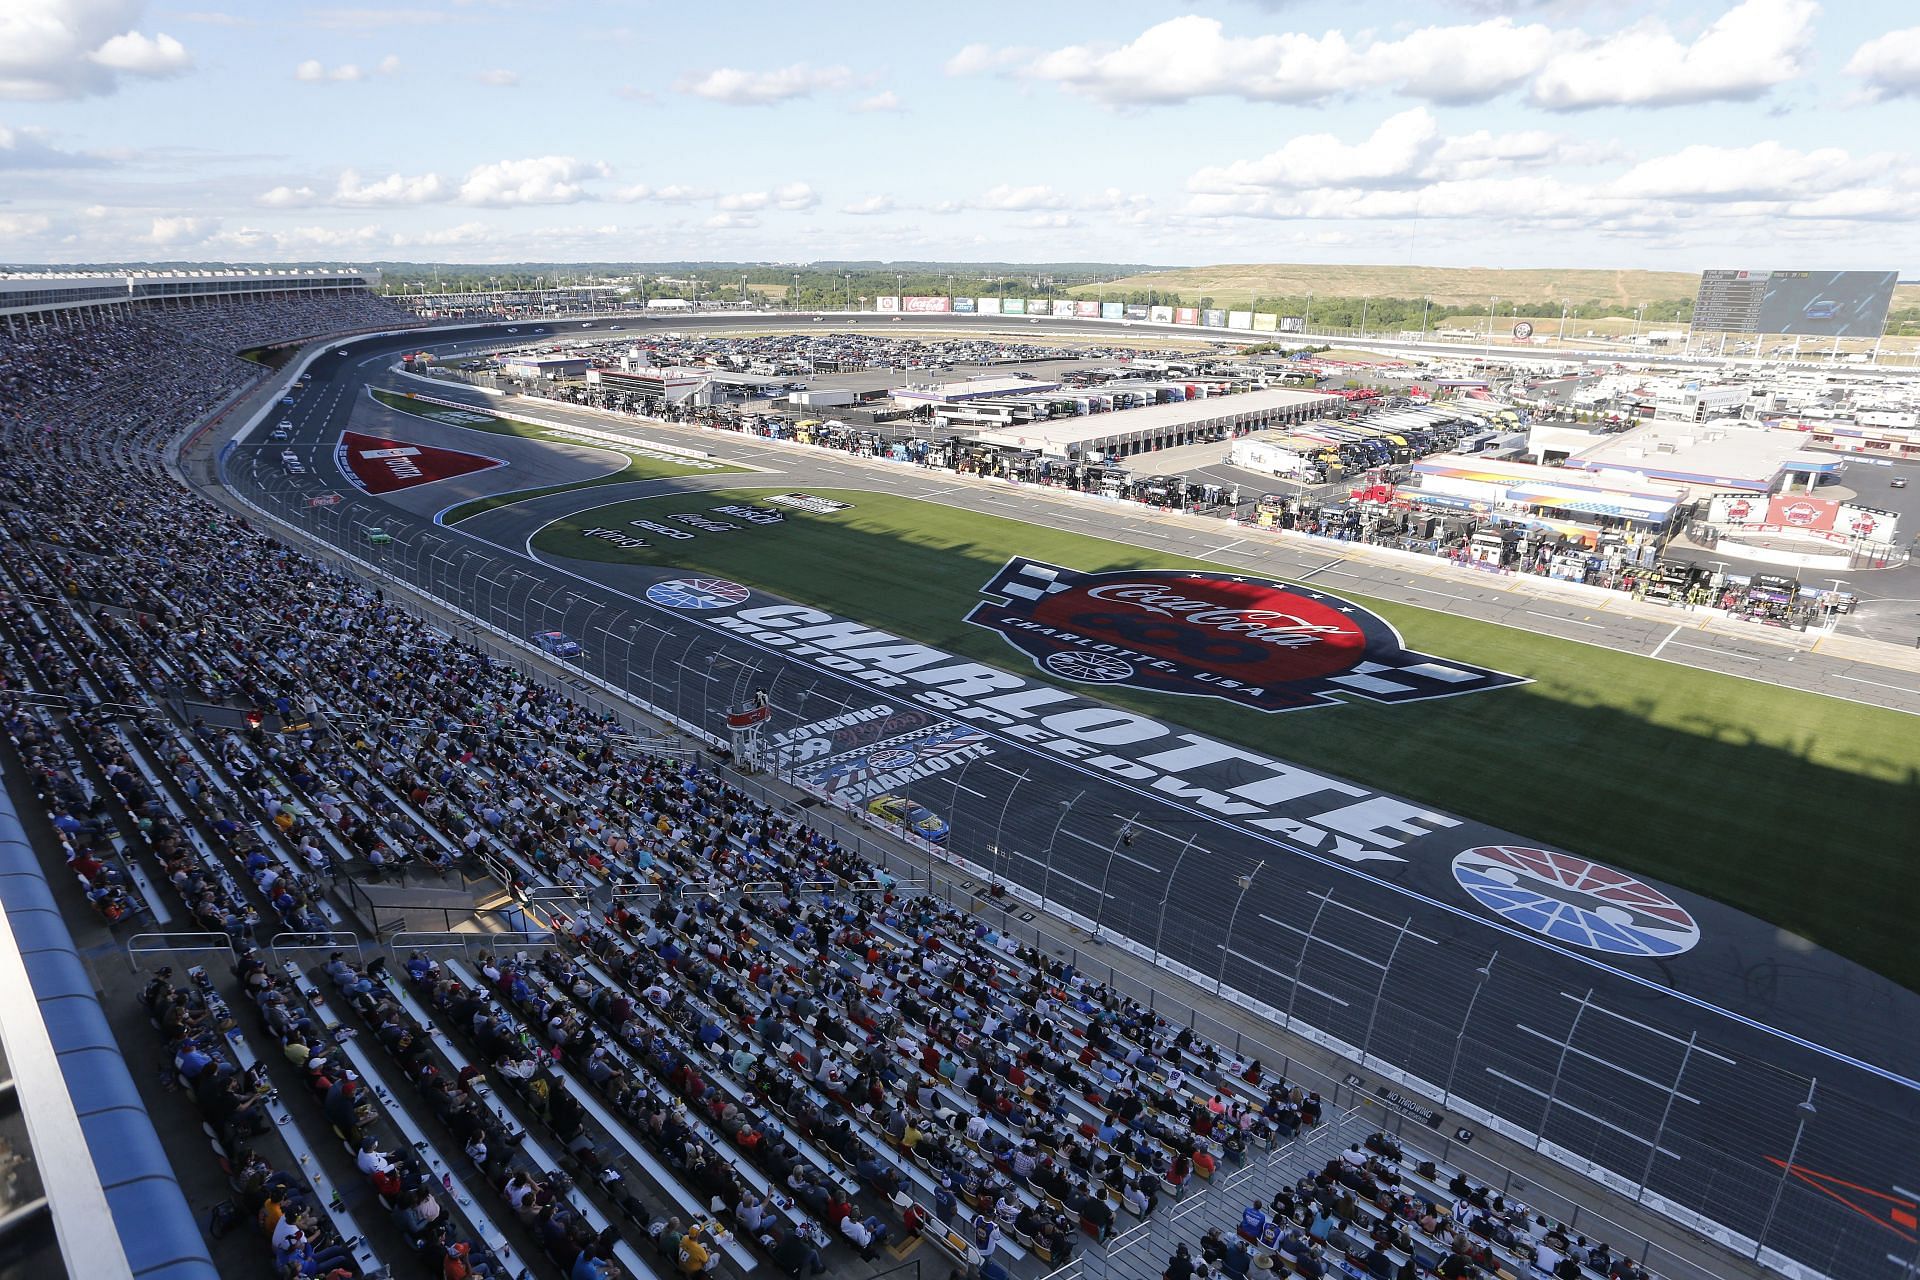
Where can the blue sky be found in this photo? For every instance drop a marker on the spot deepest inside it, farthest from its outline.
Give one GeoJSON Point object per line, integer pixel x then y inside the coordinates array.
{"type": "Point", "coordinates": [1477, 133]}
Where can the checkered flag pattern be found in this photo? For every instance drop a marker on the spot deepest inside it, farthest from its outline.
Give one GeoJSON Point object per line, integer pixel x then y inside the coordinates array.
{"type": "Point", "coordinates": [1026, 580]}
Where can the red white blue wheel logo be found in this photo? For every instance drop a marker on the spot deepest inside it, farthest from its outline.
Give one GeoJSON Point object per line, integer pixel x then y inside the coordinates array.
{"type": "Point", "coordinates": [698, 593]}
{"type": "Point", "coordinates": [1572, 900]}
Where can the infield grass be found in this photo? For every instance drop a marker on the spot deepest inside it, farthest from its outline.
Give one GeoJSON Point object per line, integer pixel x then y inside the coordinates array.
{"type": "Point", "coordinates": [640, 466]}
{"type": "Point", "coordinates": [1797, 808]}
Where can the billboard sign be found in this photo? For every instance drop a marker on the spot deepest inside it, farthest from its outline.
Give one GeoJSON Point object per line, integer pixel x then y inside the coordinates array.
{"type": "Point", "coordinates": [963, 306]}
{"type": "Point", "coordinates": [1186, 315]}
{"type": "Point", "coordinates": [1137, 311]}
{"type": "Point", "coordinates": [1087, 310]}
{"type": "Point", "coordinates": [1815, 304]}
{"type": "Point", "coordinates": [1160, 315]}
{"type": "Point", "coordinates": [1292, 324]}
{"type": "Point", "coordinates": [1039, 307]}
{"type": "Point", "coordinates": [1814, 515]}
{"type": "Point", "coordinates": [1868, 524]}
{"type": "Point", "coordinates": [987, 306]}
{"type": "Point", "coordinates": [1113, 310]}
{"type": "Point", "coordinates": [924, 305]}
{"type": "Point", "coordinates": [1735, 508]}
{"type": "Point", "coordinates": [1013, 306]}
{"type": "Point", "coordinates": [1265, 322]}
{"type": "Point", "coordinates": [1239, 319]}
{"type": "Point", "coordinates": [1213, 318]}
{"type": "Point", "coordinates": [1065, 308]}
{"type": "Point", "coordinates": [886, 304]}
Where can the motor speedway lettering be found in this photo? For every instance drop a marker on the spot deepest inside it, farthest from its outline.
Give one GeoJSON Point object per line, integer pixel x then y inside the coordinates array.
{"type": "Point", "coordinates": [1270, 796]}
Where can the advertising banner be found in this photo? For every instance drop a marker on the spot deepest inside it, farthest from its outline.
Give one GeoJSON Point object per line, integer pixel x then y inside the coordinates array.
{"type": "Point", "coordinates": [1186, 315]}
{"type": "Point", "coordinates": [1239, 319]}
{"type": "Point", "coordinates": [1735, 508]}
{"type": "Point", "coordinates": [1039, 307]}
{"type": "Point", "coordinates": [1160, 315]}
{"type": "Point", "coordinates": [987, 306]}
{"type": "Point", "coordinates": [1869, 524]}
{"type": "Point", "coordinates": [1087, 310]}
{"type": "Point", "coordinates": [886, 304]}
{"type": "Point", "coordinates": [1013, 306]}
{"type": "Point", "coordinates": [1292, 324]}
{"type": "Point", "coordinates": [1266, 322]}
{"type": "Point", "coordinates": [963, 306]}
{"type": "Point", "coordinates": [1213, 318]}
{"type": "Point", "coordinates": [1137, 311]}
{"type": "Point", "coordinates": [1815, 515]}
{"type": "Point", "coordinates": [1065, 307]}
{"type": "Point", "coordinates": [926, 304]}
{"type": "Point", "coordinates": [1113, 310]}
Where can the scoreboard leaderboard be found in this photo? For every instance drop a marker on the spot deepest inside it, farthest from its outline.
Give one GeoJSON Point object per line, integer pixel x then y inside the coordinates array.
{"type": "Point", "coordinates": [1829, 304]}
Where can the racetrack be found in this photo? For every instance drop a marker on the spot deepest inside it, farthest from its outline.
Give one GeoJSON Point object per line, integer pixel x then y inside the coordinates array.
{"type": "Point", "coordinates": [1379, 954]}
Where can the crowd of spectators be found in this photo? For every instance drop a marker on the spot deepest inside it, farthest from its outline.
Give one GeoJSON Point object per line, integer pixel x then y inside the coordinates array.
{"type": "Point", "coordinates": [814, 1058]}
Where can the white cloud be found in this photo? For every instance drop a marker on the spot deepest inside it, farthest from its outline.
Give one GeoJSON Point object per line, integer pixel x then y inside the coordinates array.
{"type": "Point", "coordinates": [1047, 221]}
{"type": "Point", "coordinates": [394, 189]}
{"type": "Point", "coordinates": [1890, 64]}
{"type": "Point", "coordinates": [1763, 171]}
{"type": "Point", "coordinates": [19, 226]}
{"type": "Point", "coordinates": [313, 71]}
{"type": "Point", "coordinates": [540, 180]}
{"type": "Point", "coordinates": [976, 58]}
{"type": "Point", "coordinates": [388, 65]}
{"type": "Point", "coordinates": [289, 198]}
{"type": "Point", "coordinates": [1746, 51]}
{"type": "Point", "coordinates": [1017, 199]}
{"type": "Point", "coordinates": [869, 205]}
{"type": "Point", "coordinates": [142, 55]}
{"type": "Point", "coordinates": [740, 88]}
{"type": "Point", "coordinates": [793, 196]}
{"type": "Point", "coordinates": [731, 221]}
{"type": "Point", "coordinates": [28, 148]}
{"type": "Point", "coordinates": [1395, 153]}
{"type": "Point", "coordinates": [885, 100]}
{"type": "Point", "coordinates": [178, 232]}
{"type": "Point", "coordinates": [55, 49]}
{"type": "Point", "coordinates": [499, 78]}
{"type": "Point", "coordinates": [672, 194]}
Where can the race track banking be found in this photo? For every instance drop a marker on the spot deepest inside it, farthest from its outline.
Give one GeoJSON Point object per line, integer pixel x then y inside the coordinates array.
{"type": "Point", "coordinates": [1679, 1018]}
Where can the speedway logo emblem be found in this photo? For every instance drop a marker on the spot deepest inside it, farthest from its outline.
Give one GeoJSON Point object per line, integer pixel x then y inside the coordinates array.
{"type": "Point", "coordinates": [378, 465]}
{"type": "Point", "coordinates": [1261, 644]}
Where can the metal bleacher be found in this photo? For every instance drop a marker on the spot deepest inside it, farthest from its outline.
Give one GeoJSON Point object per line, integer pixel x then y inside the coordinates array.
{"type": "Point", "coordinates": [90, 1145]}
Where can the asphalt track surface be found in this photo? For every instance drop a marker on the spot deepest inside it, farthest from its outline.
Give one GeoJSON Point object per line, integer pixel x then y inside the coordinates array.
{"type": "Point", "coordinates": [1710, 1051]}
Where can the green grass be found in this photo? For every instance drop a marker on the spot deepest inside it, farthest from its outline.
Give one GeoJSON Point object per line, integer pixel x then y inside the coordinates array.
{"type": "Point", "coordinates": [1797, 808]}
{"type": "Point", "coordinates": [639, 466]}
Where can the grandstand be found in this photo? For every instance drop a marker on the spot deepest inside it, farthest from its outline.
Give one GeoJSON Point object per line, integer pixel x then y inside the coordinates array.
{"type": "Point", "coordinates": [708, 1037]}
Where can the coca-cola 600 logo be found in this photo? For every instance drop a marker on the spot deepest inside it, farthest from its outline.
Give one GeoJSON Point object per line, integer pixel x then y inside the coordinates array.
{"type": "Point", "coordinates": [1266, 645]}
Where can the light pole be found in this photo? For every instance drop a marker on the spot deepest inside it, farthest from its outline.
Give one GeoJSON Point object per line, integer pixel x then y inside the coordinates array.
{"type": "Point", "coordinates": [1365, 302]}
{"type": "Point", "coordinates": [1000, 828]}
{"type": "Point", "coordinates": [1168, 893]}
{"type": "Point", "coordinates": [1306, 325]}
{"type": "Point", "coordinates": [1100, 906]}
{"type": "Point", "coordinates": [1226, 948]}
{"type": "Point", "coordinates": [1563, 320]}
{"type": "Point", "coordinates": [849, 291]}
{"type": "Point", "coordinates": [1807, 1111]}
{"type": "Point", "coordinates": [1046, 881]}
{"type": "Point", "coordinates": [1486, 351]}
{"type": "Point", "coordinates": [1484, 972]}
{"type": "Point", "coordinates": [1833, 604]}
{"type": "Point", "coordinates": [1300, 964]}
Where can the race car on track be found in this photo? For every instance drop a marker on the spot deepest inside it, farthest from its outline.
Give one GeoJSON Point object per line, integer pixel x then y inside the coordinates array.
{"type": "Point", "coordinates": [557, 643]}
{"type": "Point", "coordinates": [916, 818]}
{"type": "Point", "coordinates": [1821, 309]}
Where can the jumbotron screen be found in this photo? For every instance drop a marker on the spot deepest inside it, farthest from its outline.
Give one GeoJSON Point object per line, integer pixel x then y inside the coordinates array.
{"type": "Point", "coordinates": [1816, 304]}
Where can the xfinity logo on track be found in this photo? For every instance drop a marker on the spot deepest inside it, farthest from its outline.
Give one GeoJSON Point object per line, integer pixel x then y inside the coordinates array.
{"type": "Point", "coordinates": [1260, 644]}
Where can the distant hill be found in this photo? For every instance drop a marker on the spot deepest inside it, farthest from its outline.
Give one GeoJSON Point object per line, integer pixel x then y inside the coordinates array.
{"type": "Point", "coordinates": [1232, 284]}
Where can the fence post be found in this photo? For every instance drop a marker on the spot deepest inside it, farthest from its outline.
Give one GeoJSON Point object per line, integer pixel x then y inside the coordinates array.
{"type": "Point", "coordinates": [1653, 1153]}
{"type": "Point", "coordinates": [1807, 1112]}
{"type": "Point", "coordinates": [1379, 992]}
{"type": "Point", "coordinates": [1553, 1090]}
{"type": "Point", "coordinates": [1301, 963]}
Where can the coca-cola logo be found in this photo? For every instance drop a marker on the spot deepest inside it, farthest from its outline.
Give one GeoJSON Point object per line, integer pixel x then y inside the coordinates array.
{"type": "Point", "coordinates": [1263, 644]}
{"type": "Point", "coordinates": [1739, 509]}
{"type": "Point", "coordinates": [1863, 526]}
{"type": "Point", "coordinates": [1800, 513]}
